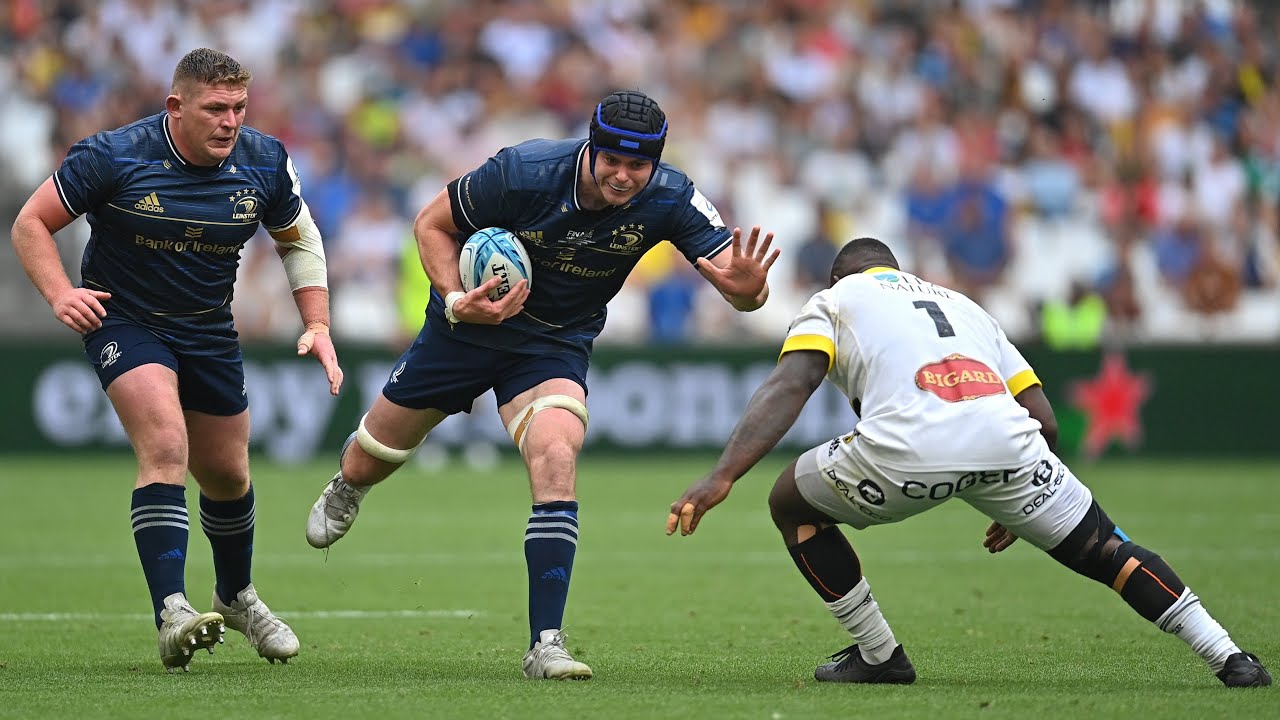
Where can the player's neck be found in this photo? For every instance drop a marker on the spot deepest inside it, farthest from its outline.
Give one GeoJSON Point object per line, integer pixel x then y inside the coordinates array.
{"type": "Point", "coordinates": [589, 195]}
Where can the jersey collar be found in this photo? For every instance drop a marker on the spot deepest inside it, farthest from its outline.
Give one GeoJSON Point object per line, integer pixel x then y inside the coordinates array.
{"type": "Point", "coordinates": [577, 169]}
{"type": "Point", "coordinates": [173, 148]}
{"type": "Point", "coordinates": [878, 269]}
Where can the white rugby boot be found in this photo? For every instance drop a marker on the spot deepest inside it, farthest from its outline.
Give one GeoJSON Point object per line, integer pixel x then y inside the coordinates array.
{"type": "Point", "coordinates": [549, 660]}
{"type": "Point", "coordinates": [266, 633]}
{"type": "Point", "coordinates": [332, 515]}
{"type": "Point", "coordinates": [183, 631]}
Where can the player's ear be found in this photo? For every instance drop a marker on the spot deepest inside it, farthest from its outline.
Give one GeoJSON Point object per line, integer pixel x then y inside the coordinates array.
{"type": "Point", "coordinates": [173, 104]}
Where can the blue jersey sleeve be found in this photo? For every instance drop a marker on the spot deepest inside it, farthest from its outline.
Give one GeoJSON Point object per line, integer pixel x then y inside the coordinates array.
{"type": "Point", "coordinates": [697, 230]}
{"type": "Point", "coordinates": [488, 195]}
{"type": "Point", "coordinates": [87, 177]}
{"type": "Point", "coordinates": [286, 200]}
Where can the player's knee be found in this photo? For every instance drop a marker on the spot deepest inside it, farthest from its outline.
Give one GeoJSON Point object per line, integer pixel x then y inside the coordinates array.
{"type": "Point", "coordinates": [787, 506]}
{"type": "Point", "coordinates": [1112, 561]}
{"type": "Point", "coordinates": [165, 450]}
{"type": "Point", "coordinates": [552, 450]}
{"type": "Point", "coordinates": [1089, 548]}
{"type": "Point", "coordinates": [552, 463]}
{"type": "Point", "coordinates": [377, 449]}
{"type": "Point", "coordinates": [346, 445]}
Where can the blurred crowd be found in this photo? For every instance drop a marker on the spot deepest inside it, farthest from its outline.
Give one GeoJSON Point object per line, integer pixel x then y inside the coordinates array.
{"type": "Point", "coordinates": [1091, 172]}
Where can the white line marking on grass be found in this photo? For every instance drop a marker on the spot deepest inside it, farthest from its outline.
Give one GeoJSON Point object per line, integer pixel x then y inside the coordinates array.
{"type": "Point", "coordinates": [717, 558]}
{"type": "Point", "coordinates": [300, 615]}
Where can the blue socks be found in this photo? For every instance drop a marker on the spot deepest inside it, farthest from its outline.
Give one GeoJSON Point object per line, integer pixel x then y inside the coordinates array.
{"type": "Point", "coordinates": [229, 526]}
{"type": "Point", "coordinates": [550, 541]}
{"type": "Point", "coordinates": [160, 533]}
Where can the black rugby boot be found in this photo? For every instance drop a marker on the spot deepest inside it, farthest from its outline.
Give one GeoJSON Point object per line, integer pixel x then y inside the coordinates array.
{"type": "Point", "coordinates": [1244, 670]}
{"type": "Point", "coordinates": [848, 666]}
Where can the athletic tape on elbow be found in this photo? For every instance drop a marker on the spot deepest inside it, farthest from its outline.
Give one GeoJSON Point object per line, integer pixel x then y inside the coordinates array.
{"type": "Point", "coordinates": [305, 263]}
{"type": "Point", "coordinates": [371, 445]}
{"type": "Point", "coordinates": [518, 428]}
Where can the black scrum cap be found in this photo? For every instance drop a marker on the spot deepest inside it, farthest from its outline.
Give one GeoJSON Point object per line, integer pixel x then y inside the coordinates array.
{"type": "Point", "coordinates": [629, 123]}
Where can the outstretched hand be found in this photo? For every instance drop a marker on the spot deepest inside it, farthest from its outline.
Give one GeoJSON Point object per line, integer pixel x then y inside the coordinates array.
{"type": "Point", "coordinates": [316, 342]}
{"type": "Point", "coordinates": [476, 307]}
{"type": "Point", "coordinates": [701, 496]}
{"type": "Point", "coordinates": [748, 269]}
{"type": "Point", "coordinates": [998, 538]}
{"type": "Point", "coordinates": [81, 308]}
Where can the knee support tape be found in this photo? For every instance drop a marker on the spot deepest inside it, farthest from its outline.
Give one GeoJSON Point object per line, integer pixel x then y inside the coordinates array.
{"type": "Point", "coordinates": [376, 449]}
{"type": "Point", "coordinates": [518, 428]}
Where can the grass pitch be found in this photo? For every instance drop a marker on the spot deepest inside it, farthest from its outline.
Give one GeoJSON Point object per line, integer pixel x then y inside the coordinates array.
{"type": "Point", "coordinates": [420, 612]}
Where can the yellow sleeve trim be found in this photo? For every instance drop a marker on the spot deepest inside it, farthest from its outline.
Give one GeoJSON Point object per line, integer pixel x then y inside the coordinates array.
{"type": "Point", "coordinates": [821, 343]}
{"type": "Point", "coordinates": [1022, 381]}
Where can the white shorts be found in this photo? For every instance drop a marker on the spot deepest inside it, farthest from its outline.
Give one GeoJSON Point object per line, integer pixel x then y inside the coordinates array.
{"type": "Point", "coordinates": [1041, 502]}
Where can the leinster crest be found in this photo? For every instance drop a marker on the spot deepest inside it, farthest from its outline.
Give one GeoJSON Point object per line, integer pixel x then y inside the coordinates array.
{"type": "Point", "coordinates": [628, 239]}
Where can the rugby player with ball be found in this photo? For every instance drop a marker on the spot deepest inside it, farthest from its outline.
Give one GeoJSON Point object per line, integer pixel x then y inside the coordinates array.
{"type": "Point", "coordinates": [584, 211]}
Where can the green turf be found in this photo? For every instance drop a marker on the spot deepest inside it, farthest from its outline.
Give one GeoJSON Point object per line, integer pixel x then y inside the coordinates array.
{"type": "Point", "coordinates": [716, 625]}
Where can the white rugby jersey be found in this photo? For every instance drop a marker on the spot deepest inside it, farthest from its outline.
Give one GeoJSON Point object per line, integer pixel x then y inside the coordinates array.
{"type": "Point", "coordinates": [930, 374]}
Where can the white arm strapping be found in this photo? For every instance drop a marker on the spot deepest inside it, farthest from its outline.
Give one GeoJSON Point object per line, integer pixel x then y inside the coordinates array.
{"type": "Point", "coordinates": [304, 264]}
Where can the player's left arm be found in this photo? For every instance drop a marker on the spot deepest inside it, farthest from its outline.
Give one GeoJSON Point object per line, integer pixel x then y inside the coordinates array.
{"type": "Point", "coordinates": [1025, 385]}
{"type": "Point", "coordinates": [1039, 408]}
{"type": "Point", "coordinates": [772, 411]}
{"type": "Point", "coordinates": [741, 273]}
{"type": "Point", "coordinates": [301, 250]}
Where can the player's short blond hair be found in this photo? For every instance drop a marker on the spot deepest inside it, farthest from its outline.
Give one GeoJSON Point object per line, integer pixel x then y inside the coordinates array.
{"type": "Point", "coordinates": [205, 66]}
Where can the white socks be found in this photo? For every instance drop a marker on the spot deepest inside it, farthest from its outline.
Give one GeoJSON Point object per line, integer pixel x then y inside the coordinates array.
{"type": "Point", "coordinates": [1188, 620]}
{"type": "Point", "coordinates": [859, 613]}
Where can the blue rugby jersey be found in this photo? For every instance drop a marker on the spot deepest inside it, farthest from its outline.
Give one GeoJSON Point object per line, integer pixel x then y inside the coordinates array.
{"type": "Point", "coordinates": [580, 257]}
{"type": "Point", "coordinates": [165, 234]}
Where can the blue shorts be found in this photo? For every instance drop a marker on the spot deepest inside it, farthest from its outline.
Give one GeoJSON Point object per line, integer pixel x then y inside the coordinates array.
{"type": "Point", "coordinates": [212, 384]}
{"type": "Point", "coordinates": [443, 373]}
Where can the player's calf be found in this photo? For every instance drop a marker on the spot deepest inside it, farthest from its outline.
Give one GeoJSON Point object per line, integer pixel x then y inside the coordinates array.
{"type": "Point", "coordinates": [1098, 550]}
{"type": "Point", "coordinates": [829, 563]}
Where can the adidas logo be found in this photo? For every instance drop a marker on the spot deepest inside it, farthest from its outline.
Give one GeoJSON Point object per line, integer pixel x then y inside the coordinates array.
{"type": "Point", "coordinates": [174, 554]}
{"type": "Point", "coordinates": [556, 573]}
{"type": "Point", "coordinates": [149, 203]}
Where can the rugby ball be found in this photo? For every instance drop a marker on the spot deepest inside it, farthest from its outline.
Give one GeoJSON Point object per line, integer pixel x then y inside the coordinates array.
{"type": "Point", "coordinates": [494, 252]}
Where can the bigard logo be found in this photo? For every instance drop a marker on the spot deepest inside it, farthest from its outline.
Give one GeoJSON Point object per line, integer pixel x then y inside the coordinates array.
{"type": "Point", "coordinates": [957, 378]}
